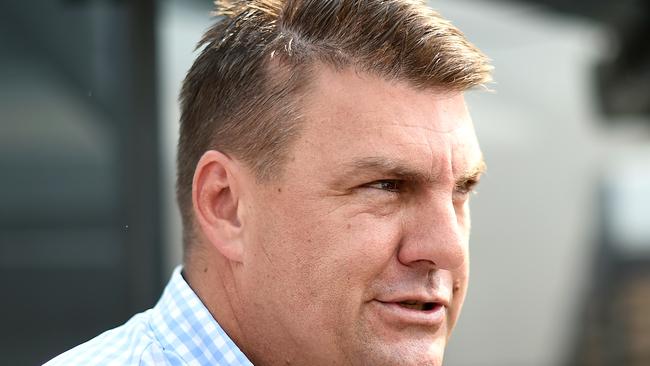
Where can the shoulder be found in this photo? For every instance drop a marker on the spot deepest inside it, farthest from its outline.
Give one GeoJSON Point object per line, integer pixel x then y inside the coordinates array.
{"type": "Point", "coordinates": [130, 344]}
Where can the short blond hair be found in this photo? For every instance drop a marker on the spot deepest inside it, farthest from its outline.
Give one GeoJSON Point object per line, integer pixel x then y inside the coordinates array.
{"type": "Point", "coordinates": [239, 95]}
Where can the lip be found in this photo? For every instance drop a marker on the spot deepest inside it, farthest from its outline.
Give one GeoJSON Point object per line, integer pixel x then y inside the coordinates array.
{"type": "Point", "coordinates": [393, 312]}
{"type": "Point", "coordinates": [420, 297]}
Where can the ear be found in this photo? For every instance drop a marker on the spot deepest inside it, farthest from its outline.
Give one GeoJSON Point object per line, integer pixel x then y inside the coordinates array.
{"type": "Point", "coordinates": [216, 202]}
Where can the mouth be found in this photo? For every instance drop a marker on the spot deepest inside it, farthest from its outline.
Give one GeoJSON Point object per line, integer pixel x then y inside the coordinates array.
{"type": "Point", "coordinates": [418, 305]}
{"type": "Point", "coordinates": [412, 312]}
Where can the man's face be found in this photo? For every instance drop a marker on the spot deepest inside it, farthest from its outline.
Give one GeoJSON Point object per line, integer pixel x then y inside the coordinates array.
{"type": "Point", "coordinates": [359, 253]}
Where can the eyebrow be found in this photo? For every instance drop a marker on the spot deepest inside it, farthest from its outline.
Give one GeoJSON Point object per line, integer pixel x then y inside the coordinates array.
{"type": "Point", "coordinates": [400, 169]}
{"type": "Point", "coordinates": [387, 166]}
{"type": "Point", "coordinates": [473, 173]}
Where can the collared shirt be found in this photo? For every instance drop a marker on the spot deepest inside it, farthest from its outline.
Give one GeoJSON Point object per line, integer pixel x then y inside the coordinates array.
{"type": "Point", "coordinates": [179, 330]}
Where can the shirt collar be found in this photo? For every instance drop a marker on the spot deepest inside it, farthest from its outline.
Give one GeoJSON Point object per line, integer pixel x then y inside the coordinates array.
{"type": "Point", "coordinates": [183, 325]}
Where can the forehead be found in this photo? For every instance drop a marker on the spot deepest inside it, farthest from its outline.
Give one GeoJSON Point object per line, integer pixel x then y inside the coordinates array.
{"type": "Point", "coordinates": [349, 115]}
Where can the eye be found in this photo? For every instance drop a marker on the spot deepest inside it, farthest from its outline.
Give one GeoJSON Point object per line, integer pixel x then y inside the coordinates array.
{"type": "Point", "coordinates": [463, 189]}
{"type": "Point", "coordinates": [390, 185]}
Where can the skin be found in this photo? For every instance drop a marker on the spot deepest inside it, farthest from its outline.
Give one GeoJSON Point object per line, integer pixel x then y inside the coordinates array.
{"type": "Point", "coordinates": [371, 209]}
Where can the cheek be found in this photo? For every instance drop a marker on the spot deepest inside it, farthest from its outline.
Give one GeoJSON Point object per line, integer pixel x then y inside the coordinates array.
{"type": "Point", "coordinates": [460, 282]}
{"type": "Point", "coordinates": [323, 250]}
{"type": "Point", "coordinates": [463, 216]}
{"type": "Point", "coordinates": [459, 291]}
{"type": "Point", "coordinates": [346, 258]}
{"type": "Point", "coordinates": [363, 241]}
{"type": "Point", "coordinates": [348, 253]}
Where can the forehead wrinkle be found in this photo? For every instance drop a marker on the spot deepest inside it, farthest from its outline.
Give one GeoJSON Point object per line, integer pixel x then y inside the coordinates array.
{"type": "Point", "coordinates": [451, 129]}
{"type": "Point", "coordinates": [381, 122]}
{"type": "Point", "coordinates": [391, 166]}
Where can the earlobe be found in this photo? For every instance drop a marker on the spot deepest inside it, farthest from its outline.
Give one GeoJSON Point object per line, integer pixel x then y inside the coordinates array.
{"type": "Point", "coordinates": [215, 200]}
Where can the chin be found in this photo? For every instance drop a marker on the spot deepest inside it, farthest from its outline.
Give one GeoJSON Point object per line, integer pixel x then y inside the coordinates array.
{"type": "Point", "coordinates": [417, 353]}
{"type": "Point", "coordinates": [405, 359]}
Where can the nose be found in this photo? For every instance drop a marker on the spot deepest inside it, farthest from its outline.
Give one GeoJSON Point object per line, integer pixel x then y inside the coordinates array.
{"type": "Point", "coordinates": [435, 234]}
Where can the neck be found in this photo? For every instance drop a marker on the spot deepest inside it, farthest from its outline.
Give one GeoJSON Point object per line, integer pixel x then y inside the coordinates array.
{"type": "Point", "coordinates": [211, 277]}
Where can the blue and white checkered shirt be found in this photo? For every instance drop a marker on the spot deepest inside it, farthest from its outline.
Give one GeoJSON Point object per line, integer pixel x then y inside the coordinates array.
{"type": "Point", "coordinates": [179, 330]}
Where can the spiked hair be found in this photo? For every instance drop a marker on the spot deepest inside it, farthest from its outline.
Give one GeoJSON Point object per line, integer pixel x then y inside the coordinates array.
{"type": "Point", "coordinates": [240, 96]}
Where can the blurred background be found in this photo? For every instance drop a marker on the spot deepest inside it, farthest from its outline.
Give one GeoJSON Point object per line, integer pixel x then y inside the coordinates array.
{"type": "Point", "coordinates": [89, 231]}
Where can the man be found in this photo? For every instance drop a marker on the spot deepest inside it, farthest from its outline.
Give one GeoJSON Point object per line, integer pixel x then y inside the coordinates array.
{"type": "Point", "coordinates": [325, 162]}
